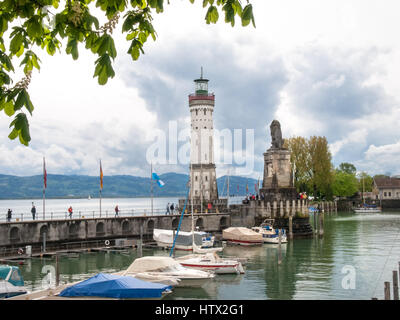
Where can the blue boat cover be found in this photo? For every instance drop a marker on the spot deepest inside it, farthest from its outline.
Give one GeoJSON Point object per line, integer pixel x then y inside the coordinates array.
{"type": "Point", "coordinates": [114, 286]}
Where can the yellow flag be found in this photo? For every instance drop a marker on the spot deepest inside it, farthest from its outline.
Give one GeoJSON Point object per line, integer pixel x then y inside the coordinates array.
{"type": "Point", "coordinates": [101, 177]}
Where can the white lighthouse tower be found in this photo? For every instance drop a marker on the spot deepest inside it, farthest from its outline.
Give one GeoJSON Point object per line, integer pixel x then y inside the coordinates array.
{"type": "Point", "coordinates": [202, 168]}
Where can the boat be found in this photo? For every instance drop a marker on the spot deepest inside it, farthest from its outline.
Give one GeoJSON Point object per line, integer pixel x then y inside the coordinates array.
{"type": "Point", "coordinates": [211, 262]}
{"type": "Point", "coordinates": [269, 234]}
{"type": "Point", "coordinates": [242, 236]}
{"type": "Point", "coordinates": [312, 209]}
{"type": "Point", "coordinates": [184, 240]}
{"type": "Point", "coordinates": [11, 282]}
{"type": "Point", "coordinates": [158, 268]}
{"type": "Point", "coordinates": [368, 208]}
{"type": "Point", "coordinates": [111, 286]}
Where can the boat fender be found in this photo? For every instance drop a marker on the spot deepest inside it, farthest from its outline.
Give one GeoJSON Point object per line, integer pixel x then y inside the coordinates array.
{"type": "Point", "coordinates": [20, 251]}
{"type": "Point", "coordinates": [107, 242]}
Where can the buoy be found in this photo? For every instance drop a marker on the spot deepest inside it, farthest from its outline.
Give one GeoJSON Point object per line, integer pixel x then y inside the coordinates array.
{"type": "Point", "coordinates": [107, 242]}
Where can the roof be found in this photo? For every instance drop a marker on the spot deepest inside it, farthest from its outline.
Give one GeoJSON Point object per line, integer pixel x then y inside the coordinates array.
{"type": "Point", "coordinates": [387, 182]}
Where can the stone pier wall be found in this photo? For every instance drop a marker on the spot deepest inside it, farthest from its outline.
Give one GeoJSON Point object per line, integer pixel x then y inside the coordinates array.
{"type": "Point", "coordinates": [19, 234]}
{"type": "Point", "coordinates": [249, 215]}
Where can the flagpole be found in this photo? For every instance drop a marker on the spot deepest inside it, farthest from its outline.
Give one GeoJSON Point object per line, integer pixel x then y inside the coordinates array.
{"type": "Point", "coordinates": [227, 201]}
{"type": "Point", "coordinates": [101, 184]}
{"type": "Point", "coordinates": [151, 187]}
{"type": "Point", "coordinates": [44, 187]}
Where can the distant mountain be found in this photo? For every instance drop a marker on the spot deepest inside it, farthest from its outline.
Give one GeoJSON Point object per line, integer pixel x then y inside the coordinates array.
{"type": "Point", "coordinates": [77, 186]}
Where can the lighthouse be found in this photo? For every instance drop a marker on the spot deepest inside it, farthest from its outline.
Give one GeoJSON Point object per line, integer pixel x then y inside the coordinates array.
{"type": "Point", "coordinates": [203, 180]}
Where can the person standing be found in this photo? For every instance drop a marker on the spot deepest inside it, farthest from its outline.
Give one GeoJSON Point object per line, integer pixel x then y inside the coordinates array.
{"type": "Point", "coordinates": [33, 211]}
{"type": "Point", "coordinates": [9, 215]}
{"type": "Point", "coordinates": [70, 211]}
{"type": "Point", "coordinates": [116, 210]}
{"type": "Point", "coordinates": [209, 207]}
{"type": "Point", "coordinates": [172, 208]}
{"type": "Point", "coordinates": [167, 213]}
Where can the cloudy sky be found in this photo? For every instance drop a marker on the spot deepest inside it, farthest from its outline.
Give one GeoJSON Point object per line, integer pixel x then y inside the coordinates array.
{"type": "Point", "coordinates": [328, 68]}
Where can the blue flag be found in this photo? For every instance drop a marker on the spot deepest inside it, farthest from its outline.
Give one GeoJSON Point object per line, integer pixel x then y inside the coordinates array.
{"type": "Point", "coordinates": [157, 178]}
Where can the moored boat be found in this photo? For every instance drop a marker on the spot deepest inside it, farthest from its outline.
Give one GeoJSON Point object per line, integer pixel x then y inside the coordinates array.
{"type": "Point", "coordinates": [110, 286]}
{"type": "Point", "coordinates": [184, 240]}
{"type": "Point", "coordinates": [269, 233]}
{"type": "Point", "coordinates": [152, 267]}
{"type": "Point", "coordinates": [242, 236]}
{"type": "Point", "coordinates": [366, 208]}
{"type": "Point", "coordinates": [211, 262]}
{"type": "Point", "coordinates": [11, 282]}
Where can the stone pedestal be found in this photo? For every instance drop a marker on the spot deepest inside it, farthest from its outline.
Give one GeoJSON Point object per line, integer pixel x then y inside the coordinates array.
{"type": "Point", "coordinates": [278, 178]}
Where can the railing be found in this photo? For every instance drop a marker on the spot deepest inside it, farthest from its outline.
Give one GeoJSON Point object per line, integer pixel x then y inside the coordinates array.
{"type": "Point", "coordinates": [84, 214]}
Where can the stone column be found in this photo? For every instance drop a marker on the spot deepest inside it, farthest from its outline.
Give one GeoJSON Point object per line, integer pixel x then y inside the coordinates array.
{"type": "Point", "coordinates": [281, 211]}
{"type": "Point", "coordinates": [274, 208]}
{"type": "Point", "coordinates": [293, 208]}
{"type": "Point", "coordinates": [287, 208]}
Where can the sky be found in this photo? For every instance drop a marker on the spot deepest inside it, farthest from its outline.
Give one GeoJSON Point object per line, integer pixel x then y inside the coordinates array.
{"type": "Point", "coordinates": [326, 68]}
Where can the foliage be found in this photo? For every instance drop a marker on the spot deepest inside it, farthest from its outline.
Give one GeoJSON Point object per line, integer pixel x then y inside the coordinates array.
{"type": "Point", "coordinates": [32, 24]}
{"type": "Point", "coordinates": [313, 166]}
{"type": "Point", "coordinates": [365, 182]}
{"type": "Point", "coordinates": [348, 168]}
{"type": "Point", "coordinates": [344, 184]}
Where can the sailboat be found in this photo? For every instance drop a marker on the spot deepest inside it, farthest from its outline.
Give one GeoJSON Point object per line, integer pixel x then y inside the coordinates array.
{"type": "Point", "coordinates": [367, 208]}
{"type": "Point", "coordinates": [208, 259]}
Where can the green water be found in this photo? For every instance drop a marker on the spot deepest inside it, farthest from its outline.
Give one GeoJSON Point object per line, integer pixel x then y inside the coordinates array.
{"type": "Point", "coordinates": [313, 268]}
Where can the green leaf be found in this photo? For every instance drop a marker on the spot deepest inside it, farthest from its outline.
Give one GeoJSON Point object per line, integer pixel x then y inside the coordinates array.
{"type": "Point", "coordinates": [247, 15]}
{"type": "Point", "coordinates": [212, 15]}
{"type": "Point", "coordinates": [21, 129]}
{"type": "Point", "coordinates": [9, 108]}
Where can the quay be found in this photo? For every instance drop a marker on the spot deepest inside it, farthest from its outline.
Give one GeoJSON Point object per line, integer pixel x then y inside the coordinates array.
{"type": "Point", "coordinates": [40, 237]}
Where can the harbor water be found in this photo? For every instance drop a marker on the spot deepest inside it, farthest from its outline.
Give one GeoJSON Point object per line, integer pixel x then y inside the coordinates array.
{"type": "Point", "coordinates": [351, 261]}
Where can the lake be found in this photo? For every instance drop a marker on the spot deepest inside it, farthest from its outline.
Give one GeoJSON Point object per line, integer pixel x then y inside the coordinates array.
{"type": "Point", "coordinates": [353, 259]}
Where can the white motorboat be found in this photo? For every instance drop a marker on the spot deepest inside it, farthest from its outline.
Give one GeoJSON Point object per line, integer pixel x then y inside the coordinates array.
{"type": "Point", "coordinates": [11, 282]}
{"type": "Point", "coordinates": [184, 240]}
{"type": "Point", "coordinates": [157, 268]}
{"type": "Point", "coordinates": [242, 236]}
{"type": "Point", "coordinates": [368, 209]}
{"type": "Point", "coordinates": [269, 234]}
{"type": "Point", "coordinates": [211, 262]}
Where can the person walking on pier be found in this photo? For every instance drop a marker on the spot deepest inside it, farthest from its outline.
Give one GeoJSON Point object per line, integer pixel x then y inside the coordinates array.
{"type": "Point", "coordinates": [70, 212]}
{"type": "Point", "coordinates": [9, 215]}
{"type": "Point", "coordinates": [116, 210]}
{"type": "Point", "coordinates": [33, 211]}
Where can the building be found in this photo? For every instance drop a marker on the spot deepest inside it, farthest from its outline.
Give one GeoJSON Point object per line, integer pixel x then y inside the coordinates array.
{"type": "Point", "coordinates": [203, 177]}
{"type": "Point", "coordinates": [387, 188]}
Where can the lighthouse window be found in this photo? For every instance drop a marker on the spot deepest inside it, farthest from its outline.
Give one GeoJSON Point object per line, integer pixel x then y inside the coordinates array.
{"type": "Point", "coordinates": [196, 112]}
{"type": "Point", "coordinates": [205, 111]}
{"type": "Point", "coordinates": [206, 178]}
{"type": "Point", "coordinates": [195, 178]}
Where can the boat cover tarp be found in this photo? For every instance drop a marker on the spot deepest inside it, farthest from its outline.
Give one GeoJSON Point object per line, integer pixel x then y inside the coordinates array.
{"type": "Point", "coordinates": [241, 234]}
{"type": "Point", "coordinates": [183, 239]}
{"type": "Point", "coordinates": [151, 264]}
{"type": "Point", "coordinates": [113, 286]}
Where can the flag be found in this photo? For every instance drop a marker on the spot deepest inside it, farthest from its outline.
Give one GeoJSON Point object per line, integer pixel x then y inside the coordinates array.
{"type": "Point", "coordinates": [238, 188]}
{"type": "Point", "coordinates": [101, 177]}
{"type": "Point", "coordinates": [256, 187]}
{"type": "Point", "coordinates": [44, 174]}
{"type": "Point", "coordinates": [157, 178]}
{"type": "Point", "coordinates": [247, 187]}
